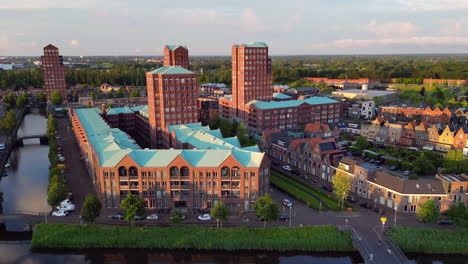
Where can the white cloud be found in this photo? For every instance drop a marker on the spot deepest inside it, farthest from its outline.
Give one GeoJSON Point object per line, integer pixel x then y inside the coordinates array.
{"type": "Point", "coordinates": [433, 5]}
{"type": "Point", "coordinates": [202, 17]}
{"type": "Point", "coordinates": [74, 43]}
{"type": "Point", "coordinates": [413, 41]}
{"type": "Point", "coordinates": [392, 29]}
{"type": "Point", "coordinates": [31, 4]}
{"type": "Point", "coordinates": [454, 26]}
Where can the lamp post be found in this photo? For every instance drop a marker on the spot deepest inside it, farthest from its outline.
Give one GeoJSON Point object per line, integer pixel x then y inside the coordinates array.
{"type": "Point", "coordinates": [346, 222]}
{"type": "Point", "coordinates": [394, 218]}
{"type": "Point", "coordinates": [383, 220]}
{"type": "Point", "coordinates": [290, 216]}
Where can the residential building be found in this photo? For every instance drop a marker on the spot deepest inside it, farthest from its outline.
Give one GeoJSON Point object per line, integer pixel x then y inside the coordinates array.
{"type": "Point", "coordinates": [429, 115]}
{"type": "Point", "coordinates": [319, 130]}
{"type": "Point", "coordinates": [362, 110]}
{"type": "Point", "coordinates": [176, 55]}
{"type": "Point", "coordinates": [385, 96]}
{"type": "Point", "coordinates": [207, 109]}
{"type": "Point", "coordinates": [460, 118]}
{"type": "Point", "coordinates": [54, 72]}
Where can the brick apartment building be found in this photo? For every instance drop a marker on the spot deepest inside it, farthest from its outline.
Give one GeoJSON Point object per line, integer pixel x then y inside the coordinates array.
{"type": "Point", "coordinates": [175, 55]}
{"type": "Point", "coordinates": [192, 167]}
{"type": "Point", "coordinates": [54, 72]}
{"type": "Point", "coordinates": [429, 115]}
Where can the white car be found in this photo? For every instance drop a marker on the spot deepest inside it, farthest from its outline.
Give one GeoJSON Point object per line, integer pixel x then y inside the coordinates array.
{"type": "Point", "coordinates": [286, 168]}
{"type": "Point", "coordinates": [152, 217]}
{"type": "Point", "coordinates": [204, 217]}
{"type": "Point", "coordinates": [60, 213]}
{"type": "Point", "coordinates": [68, 207]}
{"type": "Point", "coordinates": [66, 201]}
{"type": "Point", "coordinates": [7, 165]}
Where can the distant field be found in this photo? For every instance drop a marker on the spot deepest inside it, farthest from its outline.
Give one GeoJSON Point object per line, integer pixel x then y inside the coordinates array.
{"type": "Point", "coordinates": [412, 87]}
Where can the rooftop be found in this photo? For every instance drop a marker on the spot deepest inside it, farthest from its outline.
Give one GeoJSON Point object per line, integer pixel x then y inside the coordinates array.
{"type": "Point", "coordinates": [293, 103]}
{"type": "Point", "coordinates": [173, 47]}
{"type": "Point", "coordinates": [253, 45]}
{"type": "Point", "coordinates": [171, 70]}
{"type": "Point", "coordinates": [368, 92]}
{"type": "Point", "coordinates": [281, 96]}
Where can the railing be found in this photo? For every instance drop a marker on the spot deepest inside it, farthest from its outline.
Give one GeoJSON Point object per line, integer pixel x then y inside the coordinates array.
{"type": "Point", "coordinates": [396, 250]}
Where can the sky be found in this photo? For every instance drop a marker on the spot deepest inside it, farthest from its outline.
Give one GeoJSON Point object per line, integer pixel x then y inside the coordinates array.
{"type": "Point", "coordinates": [211, 27]}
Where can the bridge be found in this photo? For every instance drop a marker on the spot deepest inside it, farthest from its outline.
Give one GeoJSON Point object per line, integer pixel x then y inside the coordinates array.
{"type": "Point", "coordinates": [42, 139]}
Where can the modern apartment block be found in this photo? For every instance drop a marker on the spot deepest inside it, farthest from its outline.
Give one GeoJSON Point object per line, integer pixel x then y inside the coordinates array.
{"type": "Point", "coordinates": [175, 55]}
{"type": "Point", "coordinates": [54, 72]}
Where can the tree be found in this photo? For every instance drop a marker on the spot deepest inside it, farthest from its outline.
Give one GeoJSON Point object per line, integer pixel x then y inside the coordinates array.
{"type": "Point", "coordinates": [226, 127]}
{"type": "Point", "coordinates": [8, 123]}
{"type": "Point", "coordinates": [57, 192]}
{"type": "Point", "coordinates": [10, 100]}
{"type": "Point", "coordinates": [341, 184]}
{"type": "Point", "coordinates": [215, 122]}
{"type": "Point", "coordinates": [361, 143]}
{"type": "Point", "coordinates": [132, 206]}
{"type": "Point", "coordinates": [119, 93]}
{"type": "Point", "coordinates": [423, 164]}
{"type": "Point", "coordinates": [21, 100]}
{"type": "Point", "coordinates": [92, 95]}
{"type": "Point", "coordinates": [41, 98]}
{"type": "Point", "coordinates": [266, 208]}
{"type": "Point", "coordinates": [91, 208]}
{"type": "Point", "coordinates": [56, 98]}
{"type": "Point", "coordinates": [220, 212]}
{"type": "Point", "coordinates": [242, 134]}
{"type": "Point", "coordinates": [455, 162]}
{"type": "Point", "coordinates": [422, 92]}
{"type": "Point", "coordinates": [428, 212]}
{"type": "Point", "coordinates": [459, 214]}
{"type": "Point", "coordinates": [135, 93]}
{"type": "Point", "coordinates": [176, 216]}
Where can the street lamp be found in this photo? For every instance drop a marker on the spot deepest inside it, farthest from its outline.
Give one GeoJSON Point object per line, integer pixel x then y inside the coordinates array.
{"type": "Point", "coordinates": [383, 220]}
{"type": "Point", "coordinates": [394, 218]}
{"type": "Point", "coordinates": [346, 221]}
{"type": "Point", "coordinates": [290, 216]}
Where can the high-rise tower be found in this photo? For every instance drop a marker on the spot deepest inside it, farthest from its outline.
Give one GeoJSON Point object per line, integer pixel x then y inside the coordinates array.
{"type": "Point", "coordinates": [175, 55]}
{"type": "Point", "coordinates": [54, 72]}
{"type": "Point", "coordinates": [251, 75]}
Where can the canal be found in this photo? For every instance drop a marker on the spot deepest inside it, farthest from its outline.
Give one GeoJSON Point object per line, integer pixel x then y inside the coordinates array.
{"type": "Point", "coordinates": [25, 190]}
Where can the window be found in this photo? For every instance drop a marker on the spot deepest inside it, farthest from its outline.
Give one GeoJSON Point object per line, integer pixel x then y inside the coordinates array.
{"type": "Point", "coordinates": [174, 172]}
{"type": "Point", "coordinates": [133, 171]}
{"type": "Point", "coordinates": [224, 172]}
{"type": "Point", "coordinates": [122, 171]}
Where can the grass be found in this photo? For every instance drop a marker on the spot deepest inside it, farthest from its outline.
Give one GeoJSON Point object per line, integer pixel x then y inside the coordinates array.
{"type": "Point", "coordinates": [332, 202]}
{"type": "Point", "coordinates": [310, 238]}
{"type": "Point", "coordinates": [430, 241]}
{"type": "Point", "coordinates": [413, 87]}
{"type": "Point", "coordinates": [292, 190]}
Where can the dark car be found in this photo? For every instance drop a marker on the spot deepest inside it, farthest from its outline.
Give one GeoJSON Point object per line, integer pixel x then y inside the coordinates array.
{"type": "Point", "coordinates": [284, 217]}
{"type": "Point", "coordinates": [350, 199]}
{"type": "Point", "coordinates": [367, 159]}
{"type": "Point", "coordinates": [393, 168]}
{"type": "Point", "coordinates": [137, 217]}
{"type": "Point", "coordinates": [118, 216]}
{"type": "Point", "coordinates": [327, 188]}
{"type": "Point", "coordinates": [314, 181]}
{"type": "Point", "coordinates": [445, 222]}
{"type": "Point", "coordinates": [366, 205]}
{"type": "Point", "coordinates": [378, 162]}
{"type": "Point", "coordinates": [294, 172]}
{"type": "Point", "coordinates": [379, 210]}
{"type": "Point", "coordinates": [275, 163]}
{"type": "Point", "coordinates": [371, 161]}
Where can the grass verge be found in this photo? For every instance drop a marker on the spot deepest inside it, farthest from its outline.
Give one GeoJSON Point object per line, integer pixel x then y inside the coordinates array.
{"type": "Point", "coordinates": [292, 190]}
{"type": "Point", "coordinates": [430, 241]}
{"type": "Point", "coordinates": [332, 202]}
{"type": "Point", "coordinates": [310, 238]}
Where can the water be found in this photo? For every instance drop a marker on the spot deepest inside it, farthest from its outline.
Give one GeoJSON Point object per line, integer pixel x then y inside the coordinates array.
{"type": "Point", "coordinates": [25, 187]}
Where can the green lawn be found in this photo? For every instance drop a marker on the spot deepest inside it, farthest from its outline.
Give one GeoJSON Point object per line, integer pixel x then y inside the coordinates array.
{"type": "Point", "coordinates": [332, 202]}
{"type": "Point", "coordinates": [430, 241]}
{"type": "Point", "coordinates": [309, 238]}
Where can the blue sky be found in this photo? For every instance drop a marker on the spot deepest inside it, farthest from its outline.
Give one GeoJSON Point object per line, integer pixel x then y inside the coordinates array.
{"type": "Point", "coordinates": [210, 27]}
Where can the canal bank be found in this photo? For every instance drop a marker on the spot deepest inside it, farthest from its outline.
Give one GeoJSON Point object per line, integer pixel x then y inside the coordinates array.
{"type": "Point", "coordinates": [10, 141]}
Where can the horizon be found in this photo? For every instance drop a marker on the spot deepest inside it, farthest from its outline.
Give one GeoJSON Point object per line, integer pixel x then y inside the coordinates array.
{"type": "Point", "coordinates": [296, 27]}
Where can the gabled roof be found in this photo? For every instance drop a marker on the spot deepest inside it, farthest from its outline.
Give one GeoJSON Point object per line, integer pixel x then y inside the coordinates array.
{"type": "Point", "coordinates": [173, 47]}
{"type": "Point", "coordinates": [50, 46]}
{"type": "Point", "coordinates": [167, 70]}
{"type": "Point", "coordinates": [407, 186]}
{"type": "Point", "coordinates": [315, 127]}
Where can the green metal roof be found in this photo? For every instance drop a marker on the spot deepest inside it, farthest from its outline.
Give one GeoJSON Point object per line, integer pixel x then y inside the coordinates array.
{"type": "Point", "coordinates": [293, 103]}
{"type": "Point", "coordinates": [253, 45]}
{"type": "Point", "coordinates": [281, 96]}
{"type": "Point", "coordinates": [112, 144]}
{"type": "Point", "coordinates": [171, 70]}
{"type": "Point", "coordinates": [173, 47]}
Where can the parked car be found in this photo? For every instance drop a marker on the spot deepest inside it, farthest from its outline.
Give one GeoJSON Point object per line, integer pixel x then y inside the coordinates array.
{"type": "Point", "coordinates": [378, 162]}
{"type": "Point", "coordinates": [327, 188]}
{"type": "Point", "coordinates": [350, 199]}
{"type": "Point", "coordinates": [314, 181]}
{"type": "Point", "coordinates": [60, 213]}
{"type": "Point", "coordinates": [66, 201]}
{"type": "Point", "coordinates": [407, 172]}
{"type": "Point", "coordinates": [69, 207]}
{"type": "Point", "coordinates": [366, 205]}
{"type": "Point", "coordinates": [445, 222]}
{"type": "Point", "coordinates": [306, 177]}
{"type": "Point", "coordinates": [7, 165]}
{"type": "Point", "coordinates": [284, 217]}
{"type": "Point", "coordinates": [421, 220]}
{"type": "Point", "coordinates": [137, 217]}
{"type": "Point", "coordinates": [286, 168]}
{"type": "Point", "coordinates": [371, 161]}
{"type": "Point", "coordinates": [2, 147]}
{"type": "Point", "coordinates": [287, 203]}
{"type": "Point", "coordinates": [118, 216]}
{"type": "Point", "coordinates": [393, 168]}
{"type": "Point", "coordinates": [153, 217]}
{"type": "Point", "coordinates": [367, 159]}
{"type": "Point", "coordinates": [204, 217]}
{"type": "Point", "coordinates": [294, 172]}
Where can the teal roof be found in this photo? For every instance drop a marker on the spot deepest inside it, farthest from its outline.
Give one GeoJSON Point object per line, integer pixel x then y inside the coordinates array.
{"type": "Point", "coordinates": [171, 70]}
{"type": "Point", "coordinates": [173, 47]}
{"type": "Point", "coordinates": [253, 45]}
{"type": "Point", "coordinates": [281, 96]}
{"type": "Point", "coordinates": [119, 110]}
{"type": "Point", "coordinates": [293, 103]}
{"type": "Point", "coordinates": [112, 144]}
{"type": "Point", "coordinates": [228, 97]}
